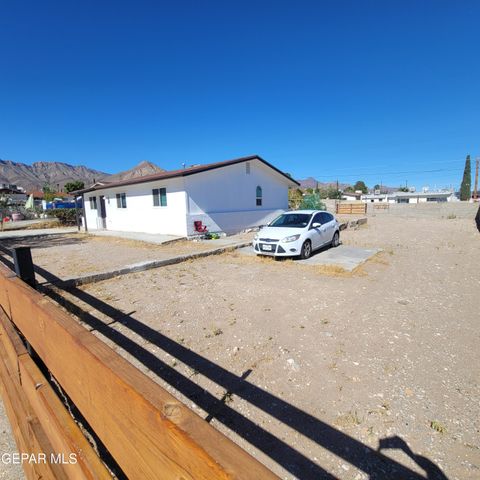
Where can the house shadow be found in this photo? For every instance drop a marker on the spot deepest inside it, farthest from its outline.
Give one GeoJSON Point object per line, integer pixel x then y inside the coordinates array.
{"type": "Point", "coordinates": [372, 462]}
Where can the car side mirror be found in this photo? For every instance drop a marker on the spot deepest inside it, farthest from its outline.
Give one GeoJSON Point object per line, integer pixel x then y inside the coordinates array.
{"type": "Point", "coordinates": [316, 225]}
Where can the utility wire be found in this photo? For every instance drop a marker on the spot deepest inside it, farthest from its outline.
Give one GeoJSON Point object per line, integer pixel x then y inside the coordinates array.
{"type": "Point", "coordinates": [384, 174]}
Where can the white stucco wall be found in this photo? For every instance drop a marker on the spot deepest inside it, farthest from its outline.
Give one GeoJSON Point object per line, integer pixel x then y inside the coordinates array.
{"type": "Point", "coordinates": [140, 214]}
{"type": "Point", "coordinates": [225, 199]}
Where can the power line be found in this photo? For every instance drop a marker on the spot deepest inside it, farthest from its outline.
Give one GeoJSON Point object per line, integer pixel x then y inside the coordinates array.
{"type": "Point", "coordinates": [411, 172]}
{"type": "Point", "coordinates": [383, 165]}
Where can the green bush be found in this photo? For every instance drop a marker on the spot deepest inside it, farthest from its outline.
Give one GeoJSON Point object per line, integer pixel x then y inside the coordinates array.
{"type": "Point", "coordinates": [66, 216]}
{"type": "Point", "coordinates": [312, 202]}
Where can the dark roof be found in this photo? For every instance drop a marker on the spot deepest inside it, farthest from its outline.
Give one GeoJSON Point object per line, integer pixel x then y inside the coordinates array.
{"type": "Point", "coordinates": [184, 172]}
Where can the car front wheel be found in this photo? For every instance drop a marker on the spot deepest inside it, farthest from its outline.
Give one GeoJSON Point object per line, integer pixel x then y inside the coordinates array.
{"type": "Point", "coordinates": [306, 250]}
{"type": "Point", "coordinates": [336, 240]}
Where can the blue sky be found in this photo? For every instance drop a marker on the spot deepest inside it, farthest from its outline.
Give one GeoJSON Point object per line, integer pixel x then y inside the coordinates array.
{"type": "Point", "coordinates": [331, 89]}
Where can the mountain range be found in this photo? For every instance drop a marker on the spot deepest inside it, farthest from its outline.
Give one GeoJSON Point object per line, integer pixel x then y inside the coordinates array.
{"type": "Point", "coordinates": [56, 174]}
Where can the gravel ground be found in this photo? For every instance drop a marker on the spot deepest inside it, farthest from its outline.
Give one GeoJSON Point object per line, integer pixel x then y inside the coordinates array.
{"type": "Point", "coordinates": [78, 254]}
{"type": "Point", "coordinates": [8, 471]}
{"type": "Point", "coordinates": [313, 370]}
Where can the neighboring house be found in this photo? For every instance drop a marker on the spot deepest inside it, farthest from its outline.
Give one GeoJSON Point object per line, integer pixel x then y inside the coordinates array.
{"type": "Point", "coordinates": [351, 196]}
{"type": "Point", "coordinates": [12, 194]}
{"type": "Point", "coordinates": [225, 197]}
{"type": "Point", "coordinates": [377, 197]}
{"type": "Point", "coordinates": [410, 197]}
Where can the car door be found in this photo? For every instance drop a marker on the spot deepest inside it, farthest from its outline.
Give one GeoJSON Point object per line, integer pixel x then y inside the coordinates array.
{"type": "Point", "coordinates": [328, 227]}
{"type": "Point", "coordinates": [316, 233]}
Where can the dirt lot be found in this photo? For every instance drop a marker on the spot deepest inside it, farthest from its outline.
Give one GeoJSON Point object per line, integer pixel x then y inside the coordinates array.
{"type": "Point", "coordinates": [313, 370]}
{"type": "Point", "coordinates": [73, 255]}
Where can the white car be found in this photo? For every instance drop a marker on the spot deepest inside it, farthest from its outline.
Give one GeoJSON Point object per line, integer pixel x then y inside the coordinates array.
{"type": "Point", "coordinates": [297, 233]}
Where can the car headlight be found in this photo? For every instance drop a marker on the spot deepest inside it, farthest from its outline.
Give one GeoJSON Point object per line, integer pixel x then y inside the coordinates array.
{"type": "Point", "coordinates": [256, 237]}
{"type": "Point", "coordinates": [292, 238]}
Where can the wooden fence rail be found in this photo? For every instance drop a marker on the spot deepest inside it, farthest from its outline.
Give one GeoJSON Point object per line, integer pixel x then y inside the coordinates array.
{"type": "Point", "coordinates": [148, 432]}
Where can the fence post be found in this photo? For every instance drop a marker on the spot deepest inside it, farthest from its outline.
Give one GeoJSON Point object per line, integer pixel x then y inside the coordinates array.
{"type": "Point", "coordinates": [22, 259]}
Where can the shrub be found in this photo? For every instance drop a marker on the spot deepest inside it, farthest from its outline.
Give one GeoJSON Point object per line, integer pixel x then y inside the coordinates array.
{"type": "Point", "coordinates": [66, 216]}
{"type": "Point", "coordinates": [312, 202]}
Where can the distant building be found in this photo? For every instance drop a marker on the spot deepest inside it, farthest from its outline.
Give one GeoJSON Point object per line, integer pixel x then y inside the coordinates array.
{"type": "Point", "coordinates": [410, 197]}
{"type": "Point", "coordinates": [352, 196]}
{"type": "Point", "coordinates": [12, 194]}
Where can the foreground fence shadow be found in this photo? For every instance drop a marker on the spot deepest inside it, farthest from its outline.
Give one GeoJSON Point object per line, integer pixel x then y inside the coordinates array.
{"type": "Point", "coordinates": [373, 462]}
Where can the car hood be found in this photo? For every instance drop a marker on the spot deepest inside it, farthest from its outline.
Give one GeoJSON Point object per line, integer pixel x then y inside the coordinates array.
{"type": "Point", "coordinates": [278, 233]}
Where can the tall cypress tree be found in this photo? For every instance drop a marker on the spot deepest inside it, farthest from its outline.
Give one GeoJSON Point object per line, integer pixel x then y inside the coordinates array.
{"type": "Point", "coordinates": [465, 188]}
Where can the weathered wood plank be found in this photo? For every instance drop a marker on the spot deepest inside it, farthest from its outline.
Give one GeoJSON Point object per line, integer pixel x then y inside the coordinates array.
{"type": "Point", "coordinates": [5, 273]}
{"type": "Point", "coordinates": [29, 435]}
{"type": "Point", "coordinates": [64, 434]}
{"type": "Point", "coordinates": [12, 343]}
{"type": "Point", "coordinates": [149, 433]}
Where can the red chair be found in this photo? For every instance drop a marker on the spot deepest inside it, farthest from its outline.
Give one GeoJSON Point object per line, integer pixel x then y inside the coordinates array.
{"type": "Point", "coordinates": [199, 227]}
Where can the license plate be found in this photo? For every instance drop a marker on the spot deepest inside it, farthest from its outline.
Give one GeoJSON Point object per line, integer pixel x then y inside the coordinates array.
{"type": "Point", "coordinates": [267, 248]}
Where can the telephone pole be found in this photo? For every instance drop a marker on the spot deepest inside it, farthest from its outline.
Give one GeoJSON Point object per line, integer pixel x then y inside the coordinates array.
{"type": "Point", "coordinates": [475, 189]}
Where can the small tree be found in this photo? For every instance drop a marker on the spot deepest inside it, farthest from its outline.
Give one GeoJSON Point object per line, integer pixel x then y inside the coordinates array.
{"type": "Point", "coordinates": [295, 197]}
{"type": "Point", "coordinates": [312, 201]}
{"type": "Point", "coordinates": [465, 188]}
{"type": "Point", "coordinates": [360, 185]}
{"type": "Point", "coordinates": [333, 193]}
{"type": "Point", "coordinates": [73, 186]}
{"type": "Point", "coordinates": [48, 193]}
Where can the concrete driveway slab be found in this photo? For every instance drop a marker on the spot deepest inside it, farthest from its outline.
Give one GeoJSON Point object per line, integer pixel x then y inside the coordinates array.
{"type": "Point", "coordinates": [343, 256]}
{"type": "Point", "coordinates": [346, 257]}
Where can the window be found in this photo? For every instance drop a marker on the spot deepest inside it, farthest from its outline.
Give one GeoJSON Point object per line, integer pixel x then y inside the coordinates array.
{"type": "Point", "coordinates": [159, 197]}
{"type": "Point", "coordinates": [326, 217]}
{"type": "Point", "coordinates": [93, 203]}
{"type": "Point", "coordinates": [121, 200]}
{"type": "Point", "coordinates": [317, 219]}
{"type": "Point", "coordinates": [259, 196]}
{"type": "Point", "coordinates": [247, 168]}
{"type": "Point", "coordinates": [292, 220]}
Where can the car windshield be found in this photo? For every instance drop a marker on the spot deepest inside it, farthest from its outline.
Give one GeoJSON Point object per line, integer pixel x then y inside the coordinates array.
{"type": "Point", "coordinates": [292, 220]}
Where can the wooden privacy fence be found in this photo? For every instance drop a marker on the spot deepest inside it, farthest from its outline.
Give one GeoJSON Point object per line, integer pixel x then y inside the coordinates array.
{"type": "Point", "coordinates": [149, 433]}
{"type": "Point", "coordinates": [357, 208]}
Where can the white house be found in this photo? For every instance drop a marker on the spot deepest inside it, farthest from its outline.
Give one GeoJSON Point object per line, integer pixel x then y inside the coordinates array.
{"type": "Point", "coordinates": [225, 197]}
{"type": "Point", "coordinates": [352, 196]}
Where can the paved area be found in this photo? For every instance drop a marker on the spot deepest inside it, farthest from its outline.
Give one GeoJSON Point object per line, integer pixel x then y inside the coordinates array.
{"type": "Point", "coordinates": [8, 234]}
{"type": "Point", "coordinates": [26, 223]}
{"type": "Point", "coordinates": [346, 257]}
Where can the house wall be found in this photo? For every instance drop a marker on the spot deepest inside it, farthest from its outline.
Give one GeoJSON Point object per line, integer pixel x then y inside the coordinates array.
{"type": "Point", "coordinates": [140, 214]}
{"type": "Point", "coordinates": [225, 199]}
